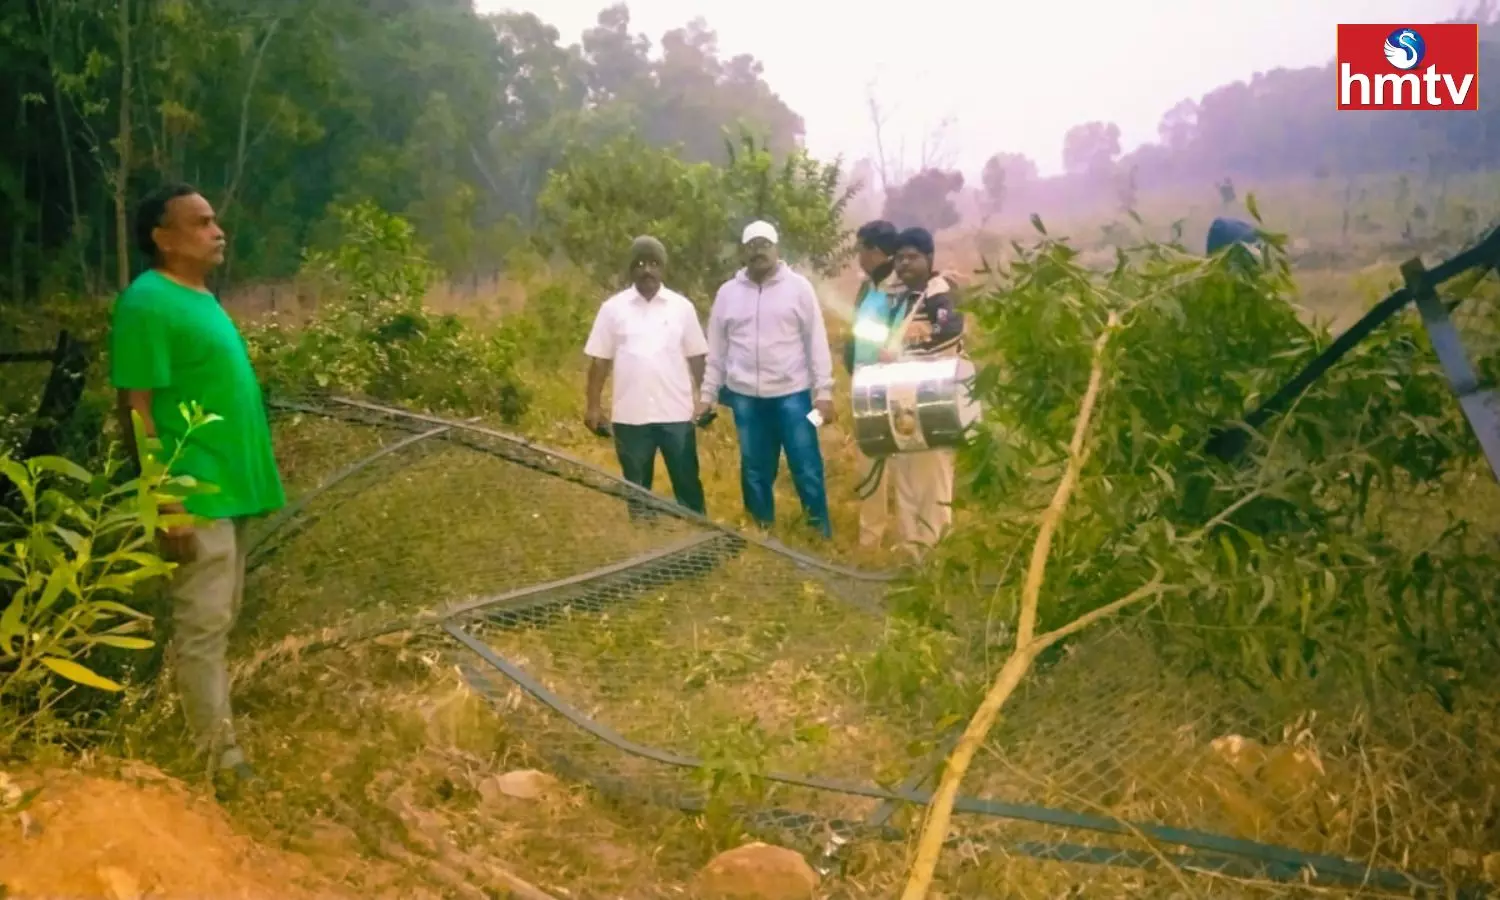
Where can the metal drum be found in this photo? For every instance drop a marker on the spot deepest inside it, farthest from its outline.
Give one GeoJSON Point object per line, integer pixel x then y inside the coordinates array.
{"type": "Point", "coordinates": [912, 405]}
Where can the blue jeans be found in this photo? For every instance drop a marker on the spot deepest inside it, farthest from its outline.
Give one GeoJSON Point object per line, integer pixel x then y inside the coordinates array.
{"type": "Point", "coordinates": [766, 426]}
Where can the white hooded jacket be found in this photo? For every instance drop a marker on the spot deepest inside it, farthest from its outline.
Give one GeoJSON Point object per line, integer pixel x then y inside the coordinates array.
{"type": "Point", "coordinates": [767, 340]}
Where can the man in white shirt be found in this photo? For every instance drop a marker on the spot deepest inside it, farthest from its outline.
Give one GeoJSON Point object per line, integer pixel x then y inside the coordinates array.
{"type": "Point", "coordinates": [648, 336]}
{"type": "Point", "coordinates": [768, 361]}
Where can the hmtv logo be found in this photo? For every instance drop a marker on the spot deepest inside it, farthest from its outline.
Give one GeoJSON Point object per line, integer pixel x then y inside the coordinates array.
{"type": "Point", "coordinates": [1408, 66]}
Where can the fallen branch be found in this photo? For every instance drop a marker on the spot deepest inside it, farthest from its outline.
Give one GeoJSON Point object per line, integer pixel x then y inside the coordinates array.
{"type": "Point", "coordinates": [1029, 645]}
{"type": "Point", "coordinates": [940, 812]}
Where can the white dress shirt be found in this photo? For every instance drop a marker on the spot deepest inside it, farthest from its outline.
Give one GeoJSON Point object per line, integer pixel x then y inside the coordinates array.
{"type": "Point", "coordinates": [649, 342]}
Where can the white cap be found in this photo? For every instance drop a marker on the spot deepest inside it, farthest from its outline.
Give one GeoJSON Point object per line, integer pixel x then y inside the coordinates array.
{"type": "Point", "coordinates": [759, 229]}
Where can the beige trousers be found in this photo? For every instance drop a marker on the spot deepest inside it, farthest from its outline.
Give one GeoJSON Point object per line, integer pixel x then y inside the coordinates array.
{"type": "Point", "coordinates": [923, 485]}
{"type": "Point", "coordinates": [206, 595]}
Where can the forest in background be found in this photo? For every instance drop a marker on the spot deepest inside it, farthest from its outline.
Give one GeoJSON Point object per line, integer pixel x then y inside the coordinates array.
{"type": "Point", "coordinates": [429, 110]}
{"type": "Point", "coordinates": [453, 120]}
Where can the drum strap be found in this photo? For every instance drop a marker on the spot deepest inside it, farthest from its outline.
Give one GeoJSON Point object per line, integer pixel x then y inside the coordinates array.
{"type": "Point", "coordinates": [866, 488]}
{"type": "Point", "coordinates": [896, 340]}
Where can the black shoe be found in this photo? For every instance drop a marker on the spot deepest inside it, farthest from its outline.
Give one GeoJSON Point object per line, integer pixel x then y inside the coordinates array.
{"type": "Point", "coordinates": [233, 782]}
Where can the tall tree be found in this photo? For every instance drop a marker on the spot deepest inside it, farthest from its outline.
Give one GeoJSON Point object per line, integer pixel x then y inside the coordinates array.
{"type": "Point", "coordinates": [278, 112]}
{"type": "Point", "coordinates": [1005, 174]}
{"type": "Point", "coordinates": [926, 199]}
{"type": "Point", "coordinates": [1090, 149]}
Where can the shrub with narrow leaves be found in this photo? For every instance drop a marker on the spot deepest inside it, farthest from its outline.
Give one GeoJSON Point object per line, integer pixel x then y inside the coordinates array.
{"type": "Point", "coordinates": [1329, 547]}
{"type": "Point", "coordinates": [75, 547]}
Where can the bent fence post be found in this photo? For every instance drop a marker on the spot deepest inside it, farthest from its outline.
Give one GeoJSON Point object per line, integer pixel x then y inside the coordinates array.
{"type": "Point", "coordinates": [1230, 440]}
{"type": "Point", "coordinates": [1481, 406]}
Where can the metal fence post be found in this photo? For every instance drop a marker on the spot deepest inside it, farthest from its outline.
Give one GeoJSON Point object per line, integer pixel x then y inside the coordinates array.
{"type": "Point", "coordinates": [1481, 406]}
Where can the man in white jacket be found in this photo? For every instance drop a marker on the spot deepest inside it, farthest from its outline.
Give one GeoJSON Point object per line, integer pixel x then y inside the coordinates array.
{"type": "Point", "coordinates": [768, 361]}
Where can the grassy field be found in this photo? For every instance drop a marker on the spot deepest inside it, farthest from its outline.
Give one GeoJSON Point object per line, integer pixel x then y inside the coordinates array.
{"type": "Point", "coordinates": [384, 757]}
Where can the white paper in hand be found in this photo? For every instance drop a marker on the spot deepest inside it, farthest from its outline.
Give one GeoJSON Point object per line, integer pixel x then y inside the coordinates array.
{"type": "Point", "coordinates": [816, 418]}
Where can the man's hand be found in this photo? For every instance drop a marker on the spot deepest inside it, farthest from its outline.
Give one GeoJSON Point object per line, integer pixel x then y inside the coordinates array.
{"type": "Point", "coordinates": [594, 419]}
{"type": "Point", "coordinates": [825, 409]}
{"type": "Point", "coordinates": [887, 355]}
{"type": "Point", "coordinates": [176, 541]}
{"type": "Point", "coordinates": [701, 409]}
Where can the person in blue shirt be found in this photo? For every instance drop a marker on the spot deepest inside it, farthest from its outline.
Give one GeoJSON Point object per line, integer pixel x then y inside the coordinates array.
{"type": "Point", "coordinates": [876, 242]}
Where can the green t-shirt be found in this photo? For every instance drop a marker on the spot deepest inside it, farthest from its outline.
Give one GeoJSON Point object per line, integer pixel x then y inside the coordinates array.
{"type": "Point", "coordinates": [181, 345]}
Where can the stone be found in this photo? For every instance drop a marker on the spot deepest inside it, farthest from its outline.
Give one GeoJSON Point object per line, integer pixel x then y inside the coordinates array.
{"type": "Point", "coordinates": [522, 784]}
{"type": "Point", "coordinates": [756, 871]}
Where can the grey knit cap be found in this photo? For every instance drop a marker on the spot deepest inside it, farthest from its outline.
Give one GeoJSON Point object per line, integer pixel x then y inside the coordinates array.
{"type": "Point", "coordinates": [647, 247]}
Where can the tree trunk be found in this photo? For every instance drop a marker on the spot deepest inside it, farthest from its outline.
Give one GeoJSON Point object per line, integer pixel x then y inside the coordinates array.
{"type": "Point", "coordinates": [242, 145]}
{"type": "Point", "coordinates": [18, 236]}
{"type": "Point", "coordinates": [123, 147]}
{"type": "Point", "coordinates": [76, 224]}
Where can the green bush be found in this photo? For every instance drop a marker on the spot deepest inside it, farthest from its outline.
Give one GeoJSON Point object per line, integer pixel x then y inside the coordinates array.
{"type": "Point", "coordinates": [604, 195]}
{"type": "Point", "coordinates": [75, 548]}
{"type": "Point", "coordinates": [371, 335]}
{"type": "Point", "coordinates": [1328, 549]}
{"type": "Point", "coordinates": [556, 321]}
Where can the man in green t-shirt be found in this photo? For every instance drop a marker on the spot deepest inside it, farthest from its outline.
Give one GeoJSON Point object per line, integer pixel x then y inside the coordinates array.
{"type": "Point", "coordinates": [171, 343]}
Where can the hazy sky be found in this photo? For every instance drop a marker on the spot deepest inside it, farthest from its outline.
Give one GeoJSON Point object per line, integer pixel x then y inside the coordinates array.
{"type": "Point", "coordinates": [1011, 76]}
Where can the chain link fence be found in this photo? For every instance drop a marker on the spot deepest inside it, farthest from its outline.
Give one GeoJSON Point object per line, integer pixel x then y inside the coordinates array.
{"type": "Point", "coordinates": [660, 657]}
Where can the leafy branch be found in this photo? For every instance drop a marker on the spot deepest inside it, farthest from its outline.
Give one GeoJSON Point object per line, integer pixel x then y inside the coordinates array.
{"type": "Point", "coordinates": [76, 550]}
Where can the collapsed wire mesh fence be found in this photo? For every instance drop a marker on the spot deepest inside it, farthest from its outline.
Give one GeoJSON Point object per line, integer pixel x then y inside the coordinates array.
{"type": "Point", "coordinates": [648, 654]}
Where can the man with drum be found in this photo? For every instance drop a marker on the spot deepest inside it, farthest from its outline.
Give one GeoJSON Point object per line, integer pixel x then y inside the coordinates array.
{"type": "Point", "coordinates": [923, 324]}
{"type": "Point", "coordinates": [769, 362]}
{"type": "Point", "coordinates": [873, 309]}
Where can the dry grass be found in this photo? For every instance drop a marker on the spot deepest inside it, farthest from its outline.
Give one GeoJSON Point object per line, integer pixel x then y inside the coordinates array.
{"type": "Point", "coordinates": [1322, 774]}
{"type": "Point", "coordinates": [292, 301]}
{"type": "Point", "coordinates": [698, 670]}
{"type": "Point", "coordinates": [381, 760]}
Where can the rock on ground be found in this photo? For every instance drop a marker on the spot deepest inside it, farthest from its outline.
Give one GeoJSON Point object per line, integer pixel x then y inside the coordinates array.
{"type": "Point", "coordinates": [756, 871]}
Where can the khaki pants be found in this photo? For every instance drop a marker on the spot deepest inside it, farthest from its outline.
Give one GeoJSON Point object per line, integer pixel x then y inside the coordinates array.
{"type": "Point", "coordinates": [923, 484]}
{"type": "Point", "coordinates": [206, 595]}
